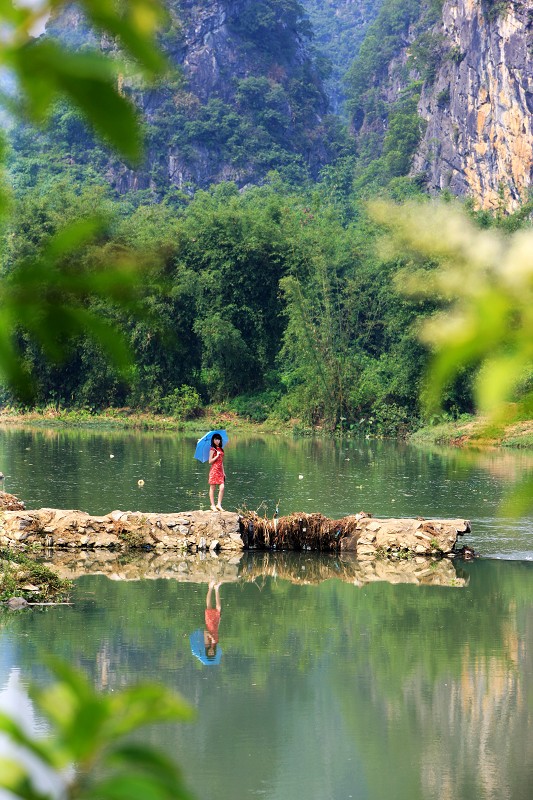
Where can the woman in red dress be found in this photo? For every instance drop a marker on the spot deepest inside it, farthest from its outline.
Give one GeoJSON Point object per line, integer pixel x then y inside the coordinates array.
{"type": "Point", "coordinates": [217, 475]}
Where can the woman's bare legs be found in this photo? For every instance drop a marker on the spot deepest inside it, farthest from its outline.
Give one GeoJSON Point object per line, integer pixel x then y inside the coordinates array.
{"type": "Point", "coordinates": [220, 496]}
{"type": "Point", "coordinates": [212, 496]}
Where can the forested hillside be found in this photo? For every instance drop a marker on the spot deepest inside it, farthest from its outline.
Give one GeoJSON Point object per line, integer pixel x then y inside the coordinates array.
{"type": "Point", "coordinates": [244, 96]}
{"type": "Point", "coordinates": [264, 289]}
{"type": "Point", "coordinates": [339, 28]}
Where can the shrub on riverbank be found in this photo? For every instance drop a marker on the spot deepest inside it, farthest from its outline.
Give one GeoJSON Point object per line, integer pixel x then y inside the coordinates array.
{"type": "Point", "coordinates": [20, 576]}
{"type": "Point", "coordinates": [219, 415]}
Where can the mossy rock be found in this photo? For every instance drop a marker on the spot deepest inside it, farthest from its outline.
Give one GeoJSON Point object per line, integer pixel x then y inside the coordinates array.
{"type": "Point", "coordinates": [20, 576]}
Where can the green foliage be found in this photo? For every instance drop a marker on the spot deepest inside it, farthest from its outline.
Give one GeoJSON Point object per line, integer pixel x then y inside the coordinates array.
{"type": "Point", "coordinates": [256, 407]}
{"type": "Point", "coordinates": [46, 70]}
{"type": "Point", "coordinates": [93, 733]}
{"type": "Point", "coordinates": [392, 158]}
{"type": "Point", "coordinates": [339, 29]}
{"type": "Point", "coordinates": [426, 54]}
{"type": "Point", "coordinates": [17, 571]}
{"type": "Point", "coordinates": [485, 280]}
{"type": "Point", "coordinates": [388, 133]}
{"type": "Point", "coordinates": [348, 347]}
{"type": "Point", "coordinates": [382, 41]}
{"type": "Point", "coordinates": [183, 402]}
{"type": "Point", "coordinates": [494, 9]}
{"type": "Point", "coordinates": [267, 293]}
{"type": "Point", "coordinates": [455, 54]}
{"type": "Point", "coordinates": [402, 138]}
{"type": "Point", "coordinates": [443, 98]}
{"type": "Point", "coordinates": [272, 24]}
{"type": "Point", "coordinates": [45, 294]}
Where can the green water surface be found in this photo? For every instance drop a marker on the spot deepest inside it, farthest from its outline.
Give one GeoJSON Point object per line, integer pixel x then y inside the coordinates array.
{"type": "Point", "coordinates": [325, 691]}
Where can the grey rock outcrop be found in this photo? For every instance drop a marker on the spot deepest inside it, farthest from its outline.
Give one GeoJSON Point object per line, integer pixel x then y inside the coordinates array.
{"type": "Point", "coordinates": [203, 127]}
{"type": "Point", "coordinates": [470, 69]}
{"type": "Point", "coordinates": [479, 135]}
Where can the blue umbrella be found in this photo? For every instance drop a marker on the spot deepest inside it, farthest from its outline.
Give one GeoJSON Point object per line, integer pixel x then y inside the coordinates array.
{"type": "Point", "coordinates": [198, 649]}
{"type": "Point", "coordinates": [204, 445]}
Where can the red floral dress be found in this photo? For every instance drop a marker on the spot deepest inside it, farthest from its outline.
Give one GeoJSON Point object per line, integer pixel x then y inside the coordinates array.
{"type": "Point", "coordinates": [216, 473]}
{"type": "Point", "coordinates": [212, 621]}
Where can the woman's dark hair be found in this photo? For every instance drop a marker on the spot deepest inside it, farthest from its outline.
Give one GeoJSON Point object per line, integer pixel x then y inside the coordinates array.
{"type": "Point", "coordinates": [216, 436]}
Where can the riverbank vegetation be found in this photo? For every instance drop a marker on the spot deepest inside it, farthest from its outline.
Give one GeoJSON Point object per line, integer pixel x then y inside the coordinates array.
{"type": "Point", "coordinates": [467, 430]}
{"type": "Point", "coordinates": [21, 576]}
{"type": "Point", "coordinates": [472, 431]}
{"type": "Point", "coordinates": [270, 305]}
{"type": "Point", "coordinates": [271, 301]}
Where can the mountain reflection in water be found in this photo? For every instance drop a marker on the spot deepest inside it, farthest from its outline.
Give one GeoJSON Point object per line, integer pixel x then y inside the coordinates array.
{"type": "Point", "coordinates": [325, 686]}
{"type": "Point", "coordinates": [337, 680]}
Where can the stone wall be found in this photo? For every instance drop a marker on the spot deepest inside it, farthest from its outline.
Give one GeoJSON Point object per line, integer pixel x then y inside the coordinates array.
{"type": "Point", "coordinates": [194, 531]}
{"type": "Point", "coordinates": [120, 530]}
{"type": "Point", "coordinates": [394, 536]}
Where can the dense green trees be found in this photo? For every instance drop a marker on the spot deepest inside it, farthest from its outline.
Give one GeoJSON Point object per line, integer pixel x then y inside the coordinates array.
{"type": "Point", "coordinates": [339, 28]}
{"type": "Point", "coordinates": [268, 294]}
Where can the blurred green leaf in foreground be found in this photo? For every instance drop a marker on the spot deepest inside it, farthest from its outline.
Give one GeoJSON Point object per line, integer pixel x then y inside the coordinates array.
{"type": "Point", "coordinates": [484, 280]}
{"type": "Point", "coordinates": [45, 70]}
{"type": "Point", "coordinates": [43, 298]}
{"type": "Point", "coordinates": [48, 297]}
{"type": "Point", "coordinates": [91, 750]}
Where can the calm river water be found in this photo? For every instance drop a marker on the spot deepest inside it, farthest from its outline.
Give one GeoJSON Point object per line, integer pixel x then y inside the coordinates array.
{"type": "Point", "coordinates": [324, 691]}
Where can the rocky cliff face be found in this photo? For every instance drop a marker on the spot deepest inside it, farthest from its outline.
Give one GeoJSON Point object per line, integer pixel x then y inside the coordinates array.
{"type": "Point", "coordinates": [479, 135]}
{"type": "Point", "coordinates": [250, 98]}
{"type": "Point", "coordinates": [466, 66]}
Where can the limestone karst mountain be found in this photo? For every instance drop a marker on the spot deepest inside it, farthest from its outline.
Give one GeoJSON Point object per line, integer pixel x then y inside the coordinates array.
{"type": "Point", "coordinates": [248, 98]}
{"type": "Point", "coordinates": [436, 89]}
{"type": "Point", "coordinates": [453, 80]}
{"type": "Point", "coordinates": [479, 135]}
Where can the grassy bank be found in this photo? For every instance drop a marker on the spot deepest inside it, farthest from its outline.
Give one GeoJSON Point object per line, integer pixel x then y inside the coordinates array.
{"type": "Point", "coordinates": [476, 432]}
{"type": "Point", "coordinates": [469, 431]}
{"type": "Point", "coordinates": [129, 419]}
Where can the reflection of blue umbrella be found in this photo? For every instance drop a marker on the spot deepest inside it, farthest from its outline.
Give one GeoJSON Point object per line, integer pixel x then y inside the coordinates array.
{"type": "Point", "coordinates": [198, 648]}
{"type": "Point", "coordinates": [204, 445]}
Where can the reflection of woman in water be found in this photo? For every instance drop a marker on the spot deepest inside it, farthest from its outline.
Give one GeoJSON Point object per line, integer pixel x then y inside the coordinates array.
{"type": "Point", "coordinates": [212, 621]}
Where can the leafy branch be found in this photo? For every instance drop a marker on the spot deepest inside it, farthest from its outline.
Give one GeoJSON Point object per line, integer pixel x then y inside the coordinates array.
{"type": "Point", "coordinates": [92, 732]}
